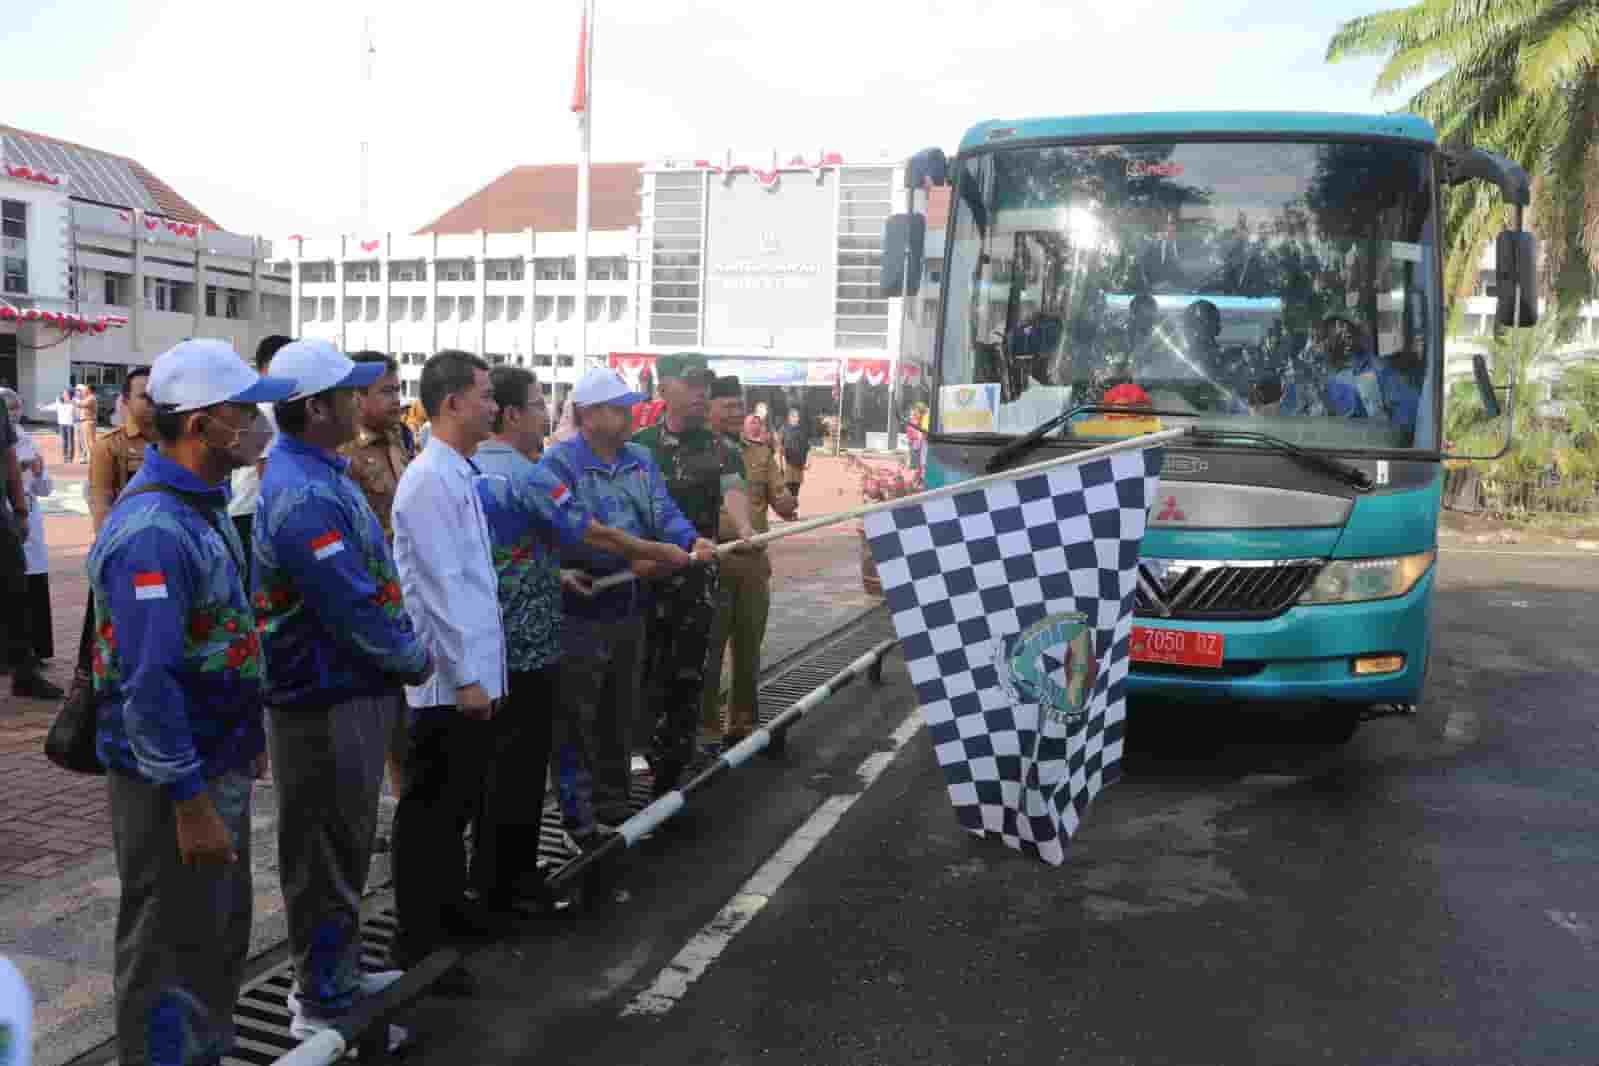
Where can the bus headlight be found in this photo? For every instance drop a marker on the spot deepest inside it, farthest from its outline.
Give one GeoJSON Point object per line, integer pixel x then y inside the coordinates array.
{"type": "Point", "coordinates": [1355, 580]}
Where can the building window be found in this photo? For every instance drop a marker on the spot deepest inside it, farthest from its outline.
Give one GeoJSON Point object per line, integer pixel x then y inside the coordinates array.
{"type": "Point", "coordinates": [16, 274]}
{"type": "Point", "coordinates": [327, 309]}
{"type": "Point", "coordinates": [410, 270]}
{"type": "Point", "coordinates": [860, 309]}
{"type": "Point", "coordinates": [373, 308]}
{"type": "Point", "coordinates": [468, 307]}
{"type": "Point", "coordinates": [457, 270]}
{"type": "Point", "coordinates": [315, 273]}
{"type": "Point", "coordinates": [113, 290]}
{"type": "Point", "coordinates": [596, 308]}
{"type": "Point", "coordinates": [419, 308]}
{"type": "Point", "coordinates": [564, 308]}
{"type": "Point", "coordinates": [446, 308]}
{"type": "Point", "coordinates": [505, 269]}
{"type": "Point", "coordinates": [365, 271]}
{"type": "Point", "coordinates": [14, 219]}
{"type": "Point", "coordinates": [543, 307]}
{"type": "Point", "coordinates": [678, 227]}
{"type": "Point", "coordinates": [618, 308]}
{"type": "Point", "coordinates": [308, 309]}
{"type": "Point", "coordinates": [608, 269]}
{"type": "Point", "coordinates": [161, 294]}
{"type": "Point", "coordinates": [210, 301]}
{"type": "Point", "coordinates": [352, 309]}
{"type": "Point", "coordinates": [514, 308]}
{"type": "Point", "coordinates": [234, 304]}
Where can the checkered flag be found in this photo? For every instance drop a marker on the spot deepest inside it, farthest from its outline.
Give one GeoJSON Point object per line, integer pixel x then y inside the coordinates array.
{"type": "Point", "coordinates": [1014, 607]}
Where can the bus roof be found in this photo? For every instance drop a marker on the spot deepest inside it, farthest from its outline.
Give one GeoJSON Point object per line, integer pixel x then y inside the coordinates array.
{"type": "Point", "coordinates": [1310, 124]}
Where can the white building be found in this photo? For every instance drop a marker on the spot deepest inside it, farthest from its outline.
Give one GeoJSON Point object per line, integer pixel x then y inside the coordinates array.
{"type": "Point", "coordinates": [97, 236]}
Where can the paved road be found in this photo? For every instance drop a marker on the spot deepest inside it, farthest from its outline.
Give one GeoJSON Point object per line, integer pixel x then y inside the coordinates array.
{"type": "Point", "coordinates": [1424, 894]}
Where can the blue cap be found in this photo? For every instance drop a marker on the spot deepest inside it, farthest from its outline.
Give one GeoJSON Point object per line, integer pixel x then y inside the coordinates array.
{"type": "Point", "coordinates": [202, 373]}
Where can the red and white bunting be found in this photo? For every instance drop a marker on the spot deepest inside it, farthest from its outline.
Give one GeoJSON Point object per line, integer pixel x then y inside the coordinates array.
{"type": "Point", "coordinates": [371, 246]}
{"type": "Point", "coordinates": [872, 371]}
{"type": "Point", "coordinates": [65, 321]}
{"type": "Point", "coordinates": [23, 172]}
{"type": "Point", "coordinates": [766, 171]}
{"type": "Point", "coordinates": [187, 230]}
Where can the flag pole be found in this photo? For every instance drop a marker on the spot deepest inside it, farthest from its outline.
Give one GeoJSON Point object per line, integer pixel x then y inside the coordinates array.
{"type": "Point", "coordinates": [1143, 440]}
{"type": "Point", "coordinates": [585, 72]}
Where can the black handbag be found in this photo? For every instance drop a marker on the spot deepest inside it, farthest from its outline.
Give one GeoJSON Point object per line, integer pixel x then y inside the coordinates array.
{"type": "Point", "coordinates": [70, 744]}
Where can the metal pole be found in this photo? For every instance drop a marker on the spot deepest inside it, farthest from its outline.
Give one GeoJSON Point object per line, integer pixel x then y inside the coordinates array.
{"type": "Point", "coordinates": [788, 530]}
{"type": "Point", "coordinates": [330, 1045]}
{"type": "Point", "coordinates": [644, 822]}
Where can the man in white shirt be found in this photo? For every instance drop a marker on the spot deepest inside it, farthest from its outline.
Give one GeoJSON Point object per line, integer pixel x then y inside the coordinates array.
{"type": "Point", "coordinates": [443, 552]}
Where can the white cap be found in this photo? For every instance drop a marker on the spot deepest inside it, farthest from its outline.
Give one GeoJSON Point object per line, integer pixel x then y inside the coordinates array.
{"type": "Point", "coordinates": [201, 373]}
{"type": "Point", "coordinates": [601, 386]}
{"type": "Point", "coordinates": [316, 366]}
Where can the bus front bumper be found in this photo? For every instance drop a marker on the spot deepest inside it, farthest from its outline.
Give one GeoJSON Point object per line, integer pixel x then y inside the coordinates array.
{"type": "Point", "coordinates": [1308, 655]}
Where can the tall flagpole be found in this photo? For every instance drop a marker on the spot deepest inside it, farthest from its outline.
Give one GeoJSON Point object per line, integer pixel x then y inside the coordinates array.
{"type": "Point", "coordinates": [584, 91]}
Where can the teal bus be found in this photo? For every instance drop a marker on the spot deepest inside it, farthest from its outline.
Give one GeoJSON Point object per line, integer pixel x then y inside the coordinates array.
{"type": "Point", "coordinates": [1271, 281]}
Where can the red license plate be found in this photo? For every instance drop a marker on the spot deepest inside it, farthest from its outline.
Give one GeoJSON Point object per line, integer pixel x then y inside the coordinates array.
{"type": "Point", "coordinates": [1178, 647]}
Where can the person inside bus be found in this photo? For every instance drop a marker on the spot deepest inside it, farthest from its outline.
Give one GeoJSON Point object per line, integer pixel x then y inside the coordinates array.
{"type": "Point", "coordinates": [1359, 385]}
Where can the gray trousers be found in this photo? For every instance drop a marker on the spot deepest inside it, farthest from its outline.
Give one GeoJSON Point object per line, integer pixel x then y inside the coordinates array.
{"type": "Point", "coordinates": [602, 675]}
{"type": "Point", "coordinates": [182, 931]}
{"type": "Point", "coordinates": [327, 766]}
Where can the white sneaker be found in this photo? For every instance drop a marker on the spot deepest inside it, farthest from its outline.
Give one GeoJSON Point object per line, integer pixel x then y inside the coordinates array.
{"type": "Point", "coordinates": [304, 1028]}
{"type": "Point", "coordinates": [303, 1025]}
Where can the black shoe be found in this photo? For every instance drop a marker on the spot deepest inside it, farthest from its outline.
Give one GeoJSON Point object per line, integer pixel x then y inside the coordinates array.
{"type": "Point", "coordinates": [33, 686]}
{"type": "Point", "coordinates": [474, 920]}
{"type": "Point", "coordinates": [455, 983]}
{"type": "Point", "coordinates": [667, 774]}
{"type": "Point", "coordinates": [778, 744]}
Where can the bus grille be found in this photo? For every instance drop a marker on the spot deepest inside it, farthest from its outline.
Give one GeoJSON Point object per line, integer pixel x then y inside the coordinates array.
{"type": "Point", "coordinates": [1215, 589]}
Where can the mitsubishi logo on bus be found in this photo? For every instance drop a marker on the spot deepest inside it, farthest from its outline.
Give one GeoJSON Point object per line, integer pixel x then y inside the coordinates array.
{"type": "Point", "coordinates": [1170, 512]}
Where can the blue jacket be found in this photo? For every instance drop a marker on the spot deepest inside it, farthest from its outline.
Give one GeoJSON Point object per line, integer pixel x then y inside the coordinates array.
{"type": "Point", "coordinates": [629, 495]}
{"type": "Point", "coordinates": [531, 516]}
{"type": "Point", "coordinates": [325, 585]}
{"type": "Point", "coordinates": [176, 658]}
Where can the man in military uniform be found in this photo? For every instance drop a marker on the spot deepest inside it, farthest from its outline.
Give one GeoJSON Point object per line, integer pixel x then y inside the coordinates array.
{"type": "Point", "coordinates": [745, 596]}
{"type": "Point", "coordinates": [378, 456]}
{"type": "Point", "coordinates": [703, 474]}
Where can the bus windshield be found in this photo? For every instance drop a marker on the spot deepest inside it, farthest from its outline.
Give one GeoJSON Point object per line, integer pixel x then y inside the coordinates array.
{"type": "Point", "coordinates": [1277, 286]}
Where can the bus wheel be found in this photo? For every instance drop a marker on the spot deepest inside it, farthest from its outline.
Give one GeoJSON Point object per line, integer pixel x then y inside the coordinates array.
{"type": "Point", "coordinates": [1332, 726]}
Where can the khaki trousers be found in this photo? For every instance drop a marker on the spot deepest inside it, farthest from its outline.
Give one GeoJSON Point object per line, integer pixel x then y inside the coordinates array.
{"type": "Point", "coordinates": [745, 602]}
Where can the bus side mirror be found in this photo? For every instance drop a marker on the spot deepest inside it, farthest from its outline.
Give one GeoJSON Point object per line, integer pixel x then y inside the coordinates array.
{"type": "Point", "coordinates": [904, 237]}
{"type": "Point", "coordinates": [1485, 386]}
{"type": "Point", "coordinates": [1516, 278]}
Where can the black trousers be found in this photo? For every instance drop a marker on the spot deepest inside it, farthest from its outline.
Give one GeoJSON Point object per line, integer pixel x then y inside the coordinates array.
{"type": "Point", "coordinates": [16, 622]}
{"type": "Point", "coordinates": [444, 773]}
{"type": "Point", "coordinates": [506, 836]}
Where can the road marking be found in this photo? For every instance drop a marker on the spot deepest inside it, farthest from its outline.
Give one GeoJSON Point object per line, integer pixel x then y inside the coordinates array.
{"type": "Point", "coordinates": [673, 982]}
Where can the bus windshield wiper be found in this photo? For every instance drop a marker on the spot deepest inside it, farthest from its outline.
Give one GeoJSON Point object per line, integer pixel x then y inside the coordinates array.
{"type": "Point", "coordinates": [1348, 473]}
{"type": "Point", "coordinates": [1030, 440]}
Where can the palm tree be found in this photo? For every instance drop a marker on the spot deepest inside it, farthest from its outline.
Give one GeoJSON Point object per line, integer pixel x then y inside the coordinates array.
{"type": "Point", "coordinates": [1518, 77]}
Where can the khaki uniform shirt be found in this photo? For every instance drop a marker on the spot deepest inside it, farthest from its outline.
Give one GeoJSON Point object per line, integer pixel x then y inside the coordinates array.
{"type": "Point", "coordinates": [376, 463]}
{"type": "Point", "coordinates": [763, 482]}
{"type": "Point", "coordinates": [117, 456]}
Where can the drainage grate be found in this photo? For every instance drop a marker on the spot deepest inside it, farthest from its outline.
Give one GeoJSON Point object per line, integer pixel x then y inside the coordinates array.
{"type": "Point", "coordinates": [261, 1019]}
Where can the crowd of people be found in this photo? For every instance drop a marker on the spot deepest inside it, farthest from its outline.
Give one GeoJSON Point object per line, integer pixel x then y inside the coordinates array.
{"type": "Point", "coordinates": [284, 575]}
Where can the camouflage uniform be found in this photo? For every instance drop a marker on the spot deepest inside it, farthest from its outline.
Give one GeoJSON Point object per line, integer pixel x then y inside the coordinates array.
{"type": "Point", "coordinates": [699, 468]}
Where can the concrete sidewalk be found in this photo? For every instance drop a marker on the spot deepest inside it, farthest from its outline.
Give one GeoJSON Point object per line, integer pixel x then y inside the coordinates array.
{"type": "Point", "coordinates": [58, 883]}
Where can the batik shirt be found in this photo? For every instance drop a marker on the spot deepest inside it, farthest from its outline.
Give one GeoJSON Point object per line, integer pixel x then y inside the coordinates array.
{"type": "Point", "coordinates": [531, 517]}
{"type": "Point", "coordinates": [326, 589]}
{"type": "Point", "coordinates": [176, 659]}
{"type": "Point", "coordinates": [628, 494]}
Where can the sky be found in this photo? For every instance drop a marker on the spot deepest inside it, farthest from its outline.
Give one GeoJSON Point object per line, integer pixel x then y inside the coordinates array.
{"type": "Point", "coordinates": [256, 112]}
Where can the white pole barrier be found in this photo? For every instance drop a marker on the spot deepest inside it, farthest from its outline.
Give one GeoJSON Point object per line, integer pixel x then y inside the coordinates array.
{"type": "Point", "coordinates": [1144, 440]}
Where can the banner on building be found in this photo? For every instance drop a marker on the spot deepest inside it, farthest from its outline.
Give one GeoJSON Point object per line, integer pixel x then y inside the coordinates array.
{"type": "Point", "coordinates": [1014, 606]}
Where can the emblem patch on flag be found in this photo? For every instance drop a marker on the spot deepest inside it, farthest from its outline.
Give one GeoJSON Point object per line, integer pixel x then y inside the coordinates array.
{"type": "Point", "coordinates": [327, 545]}
{"type": "Point", "coordinates": [560, 494]}
{"type": "Point", "coordinates": [1014, 606]}
{"type": "Point", "coordinates": [150, 585]}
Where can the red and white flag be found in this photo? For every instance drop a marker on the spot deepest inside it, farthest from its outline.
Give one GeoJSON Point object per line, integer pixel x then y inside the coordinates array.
{"type": "Point", "coordinates": [327, 545]}
{"type": "Point", "coordinates": [150, 585]}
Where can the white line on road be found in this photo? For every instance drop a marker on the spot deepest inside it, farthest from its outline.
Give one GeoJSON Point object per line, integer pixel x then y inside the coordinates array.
{"type": "Point", "coordinates": [1522, 554]}
{"type": "Point", "coordinates": [672, 983]}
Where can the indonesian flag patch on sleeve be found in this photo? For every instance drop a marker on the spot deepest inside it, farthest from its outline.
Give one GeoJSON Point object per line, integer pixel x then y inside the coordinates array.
{"type": "Point", "coordinates": [150, 585]}
{"type": "Point", "coordinates": [560, 495]}
{"type": "Point", "coordinates": [327, 545]}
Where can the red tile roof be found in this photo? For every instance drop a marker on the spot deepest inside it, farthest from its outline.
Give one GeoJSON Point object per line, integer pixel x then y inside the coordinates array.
{"type": "Point", "coordinates": [544, 198]}
{"type": "Point", "coordinates": [164, 200]}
